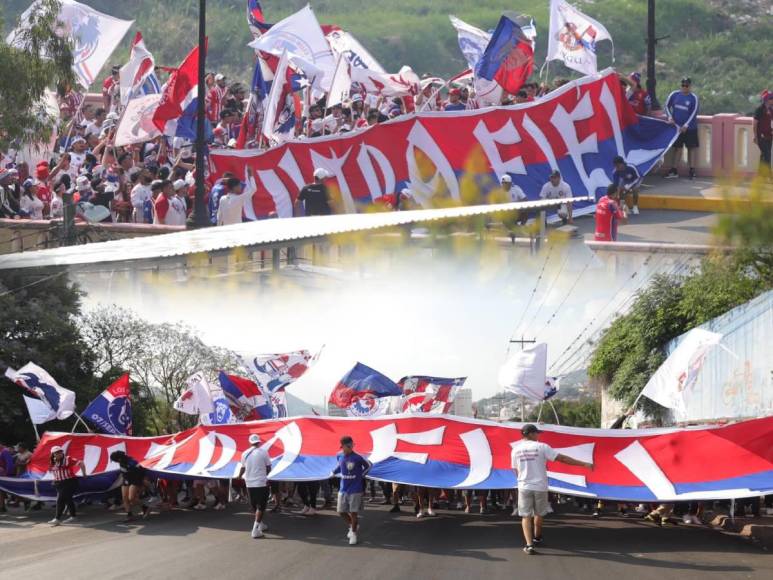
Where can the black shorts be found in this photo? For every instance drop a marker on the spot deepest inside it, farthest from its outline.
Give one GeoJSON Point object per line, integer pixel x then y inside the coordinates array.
{"type": "Point", "coordinates": [687, 139]}
{"type": "Point", "coordinates": [134, 477]}
{"type": "Point", "coordinates": [258, 498]}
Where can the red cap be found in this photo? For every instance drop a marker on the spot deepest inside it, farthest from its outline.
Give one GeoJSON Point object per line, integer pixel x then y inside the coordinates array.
{"type": "Point", "coordinates": [456, 92]}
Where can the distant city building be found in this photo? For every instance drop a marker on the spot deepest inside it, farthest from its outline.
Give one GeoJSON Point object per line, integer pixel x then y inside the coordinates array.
{"type": "Point", "coordinates": [462, 405]}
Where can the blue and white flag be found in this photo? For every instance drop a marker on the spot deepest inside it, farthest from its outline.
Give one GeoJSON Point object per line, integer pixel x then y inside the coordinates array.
{"type": "Point", "coordinates": [573, 37]}
{"type": "Point", "coordinates": [472, 41]}
{"type": "Point", "coordinates": [42, 386]}
{"type": "Point", "coordinates": [111, 411]}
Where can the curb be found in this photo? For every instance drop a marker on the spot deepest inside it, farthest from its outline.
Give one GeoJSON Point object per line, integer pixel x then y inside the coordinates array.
{"type": "Point", "coordinates": [760, 533]}
{"type": "Point", "coordinates": [694, 203]}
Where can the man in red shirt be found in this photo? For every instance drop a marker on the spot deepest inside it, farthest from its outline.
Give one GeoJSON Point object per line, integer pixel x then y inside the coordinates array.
{"type": "Point", "coordinates": [216, 98]}
{"type": "Point", "coordinates": [638, 97]}
{"type": "Point", "coordinates": [763, 131]}
{"type": "Point", "coordinates": [111, 89]}
{"type": "Point", "coordinates": [608, 212]}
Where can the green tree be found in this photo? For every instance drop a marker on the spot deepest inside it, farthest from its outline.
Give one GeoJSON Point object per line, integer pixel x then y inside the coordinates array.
{"type": "Point", "coordinates": [583, 413]}
{"type": "Point", "coordinates": [38, 312]}
{"type": "Point", "coordinates": [39, 60]}
{"type": "Point", "coordinates": [633, 347]}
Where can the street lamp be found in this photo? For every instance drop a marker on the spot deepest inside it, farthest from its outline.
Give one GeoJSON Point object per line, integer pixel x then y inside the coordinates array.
{"type": "Point", "coordinates": [200, 214]}
{"type": "Point", "coordinates": [652, 40]}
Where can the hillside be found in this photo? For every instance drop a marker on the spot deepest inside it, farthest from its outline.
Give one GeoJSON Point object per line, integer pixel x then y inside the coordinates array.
{"type": "Point", "coordinates": [724, 45]}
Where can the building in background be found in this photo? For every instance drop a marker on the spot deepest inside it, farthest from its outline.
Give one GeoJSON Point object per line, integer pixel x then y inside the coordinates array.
{"type": "Point", "coordinates": [462, 405]}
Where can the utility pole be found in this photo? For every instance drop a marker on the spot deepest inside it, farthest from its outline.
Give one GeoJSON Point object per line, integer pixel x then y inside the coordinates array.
{"type": "Point", "coordinates": [652, 41]}
{"type": "Point", "coordinates": [200, 217]}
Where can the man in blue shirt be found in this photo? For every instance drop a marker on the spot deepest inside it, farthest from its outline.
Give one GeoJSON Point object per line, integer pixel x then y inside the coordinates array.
{"type": "Point", "coordinates": [627, 179]}
{"type": "Point", "coordinates": [682, 110]}
{"type": "Point", "coordinates": [352, 468]}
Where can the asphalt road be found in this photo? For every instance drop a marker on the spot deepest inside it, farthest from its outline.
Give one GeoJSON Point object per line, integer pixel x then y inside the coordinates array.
{"type": "Point", "coordinates": [209, 544]}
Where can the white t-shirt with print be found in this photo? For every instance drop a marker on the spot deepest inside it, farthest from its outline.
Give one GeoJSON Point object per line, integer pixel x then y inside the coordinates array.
{"type": "Point", "coordinates": [560, 191]}
{"type": "Point", "coordinates": [529, 459]}
{"type": "Point", "coordinates": [256, 463]}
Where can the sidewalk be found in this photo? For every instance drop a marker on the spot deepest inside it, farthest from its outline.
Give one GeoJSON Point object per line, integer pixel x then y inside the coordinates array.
{"type": "Point", "coordinates": [701, 194]}
{"type": "Point", "coordinates": [760, 529]}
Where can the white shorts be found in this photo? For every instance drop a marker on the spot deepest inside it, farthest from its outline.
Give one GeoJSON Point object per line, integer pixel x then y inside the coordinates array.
{"type": "Point", "coordinates": [533, 503]}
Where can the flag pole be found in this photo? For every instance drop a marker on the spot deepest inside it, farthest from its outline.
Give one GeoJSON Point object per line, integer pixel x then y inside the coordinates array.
{"type": "Point", "coordinates": [82, 421]}
{"type": "Point", "coordinates": [35, 427]}
{"type": "Point", "coordinates": [200, 213]}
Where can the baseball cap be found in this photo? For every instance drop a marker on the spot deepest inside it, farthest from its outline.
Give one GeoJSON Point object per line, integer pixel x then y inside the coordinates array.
{"type": "Point", "coordinates": [82, 183]}
{"type": "Point", "coordinates": [56, 448]}
{"type": "Point", "coordinates": [506, 177]}
{"type": "Point", "coordinates": [635, 76]}
{"type": "Point", "coordinates": [686, 81]}
{"type": "Point", "coordinates": [320, 173]}
{"type": "Point", "coordinates": [356, 97]}
{"type": "Point", "coordinates": [254, 439]}
{"type": "Point", "coordinates": [456, 92]}
{"type": "Point", "coordinates": [528, 429]}
{"type": "Point", "coordinates": [219, 77]}
{"type": "Point", "coordinates": [179, 184]}
{"type": "Point", "coordinates": [555, 173]}
{"type": "Point", "coordinates": [111, 187]}
{"type": "Point", "coordinates": [618, 159]}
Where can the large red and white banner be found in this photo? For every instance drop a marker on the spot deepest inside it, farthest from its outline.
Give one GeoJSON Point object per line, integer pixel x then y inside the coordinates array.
{"type": "Point", "coordinates": [445, 452]}
{"type": "Point", "coordinates": [577, 129]}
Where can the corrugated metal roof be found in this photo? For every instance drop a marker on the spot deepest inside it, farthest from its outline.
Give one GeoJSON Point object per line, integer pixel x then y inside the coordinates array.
{"type": "Point", "coordinates": [261, 233]}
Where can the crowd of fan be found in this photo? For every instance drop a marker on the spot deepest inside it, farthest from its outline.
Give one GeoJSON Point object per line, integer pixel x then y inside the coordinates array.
{"type": "Point", "coordinates": [154, 182]}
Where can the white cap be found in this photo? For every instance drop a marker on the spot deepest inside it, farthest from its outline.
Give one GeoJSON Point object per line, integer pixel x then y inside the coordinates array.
{"type": "Point", "coordinates": [506, 177]}
{"type": "Point", "coordinates": [232, 143]}
{"type": "Point", "coordinates": [320, 173]}
{"type": "Point", "coordinates": [254, 439]}
{"type": "Point", "coordinates": [56, 448]}
{"type": "Point", "coordinates": [219, 77]}
{"type": "Point", "coordinates": [179, 184]}
{"type": "Point", "coordinates": [111, 187]}
{"type": "Point", "coordinates": [111, 116]}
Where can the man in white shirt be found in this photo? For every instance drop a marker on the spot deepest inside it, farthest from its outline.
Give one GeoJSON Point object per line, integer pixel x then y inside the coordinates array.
{"type": "Point", "coordinates": [529, 460]}
{"type": "Point", "coordinates": [229, 210]}
{"type": "Point", "coordinates": [141, 195]}
{"type": "Point", "coordinates": [557, 188]}
{"type": "Point", "coordinates": [256, 464]}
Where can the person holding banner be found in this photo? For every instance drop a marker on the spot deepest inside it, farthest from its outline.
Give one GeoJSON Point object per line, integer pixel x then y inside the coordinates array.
{"type": "Point", "coordinates": [63, 468]}
{"type": "Point", "coordinates": [256, 465]}
{"type": "Point", "coordinates": [352, 468]}
{"type": "Point", "coordinates": [133, 482]}
{"type": "Point", "coordinates": [529, 460]}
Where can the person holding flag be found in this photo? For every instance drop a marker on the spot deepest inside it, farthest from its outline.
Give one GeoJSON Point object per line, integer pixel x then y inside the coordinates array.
{"type": "Point", "coordinates": [63, 468]}
{"type": "Point", "coordinates": [352, 469]}
{"type": "Point", "coordinates": [133, 482]}
{"type": "Point", "coordinates": [255, 467]}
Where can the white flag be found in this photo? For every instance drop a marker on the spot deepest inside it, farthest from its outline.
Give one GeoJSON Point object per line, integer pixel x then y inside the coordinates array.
{"type": "Point", "coordinates": [472, 41]}
{"type": "Point", "coordinates": [525, 374]}
{"type": "Point", "coordinates": [672, 383]}
{"type": "Point", "coordinates": [300, 35]}
{"type": "Point", "coordinates": [573, 37]}
{"type": "Point", "coordinates": [94, 35]}
{"type": "Point", "coordinates": [44, 389]}
{"type": "Point", "coordinates": [341, 85]}
{"type": "Point", "coordinates": [404, 83]}
{"type": "Point", "coordinates": [347, 45]}
{"type": "Point", "coordinates": [196, 399]}
{"type": "Point", "coordinates": [136, 124]}
{"type": "Point", "coordinates": [39, 411]}
{"type": "Point", "coordinates": [272, 104]}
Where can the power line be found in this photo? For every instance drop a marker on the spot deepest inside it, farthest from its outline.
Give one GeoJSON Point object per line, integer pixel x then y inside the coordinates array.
{"type": "Point", "coordinates": [550, 288]}
{"type": "Point", "coordinates": [566, 296]}
{"type": "Point", "coordinates": [40, 281]}
{"type": "Point", "coordinates": [531, 297]}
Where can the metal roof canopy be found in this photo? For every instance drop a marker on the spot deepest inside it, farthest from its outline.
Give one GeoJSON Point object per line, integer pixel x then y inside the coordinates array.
{"type": "Point", "coordinates": [266, 233]}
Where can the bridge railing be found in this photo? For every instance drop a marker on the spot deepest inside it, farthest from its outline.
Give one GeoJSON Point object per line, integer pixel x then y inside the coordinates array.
{"type": "Point", "coordinates": [726, 146]}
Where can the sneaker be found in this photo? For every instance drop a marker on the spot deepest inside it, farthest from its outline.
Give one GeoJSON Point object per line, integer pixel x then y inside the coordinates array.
{"type": "Point", "coordinates": [595, 514]}
{"type": "Point", "coordinates": [686, 519]}
{"type": "Point", "coordinates": [200, 506]}
{"type": "Point", "coordinates": [514, 512]}
{"type": "Point", "coordinates": [311, 512]}
{"type": "Point", "coordinates": [419, 515]}
{"type": "Point", "coordinates": [641, 509]}
{"type": "Point", "coordinates": [395, 509]}
{"type": "Point", "coordinates": [70, 520]}
{"type": "Point", "coordinates": [695, 520]}
{"type": "Point", "coordinates": [430, 512]}
{"type": "Point", "coordinates": [672, 173]}
{"type": "Point", "coordinates": [459, 505]}
{"type": "Point", "coordinates": [263, 526]}
{"type": "Point", "coordinates": [55, 522]}
{"type": "Point", "coordinates": [529, 550]}
{"type": "Point", "coordinates": [305, 510]}
{"type": "Point", "coordinates": [219, 506]}
{"type": "Point", "coordinates": [635, 210]}
{"type": "Point", "coordinates": [537, 540]}
{"type": "Point", "coordinates": [482, 510]}
{"type": "Point", "coordinates": [353, 539]}
{"type": "Point", "coordinates": [467, 510]}
{"type": "Point", "coordinates": [256, 531]}
{"type": "Point", "coordinates": [692, 173]}
{"type": "Point", "coordinates": [349, 533]}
